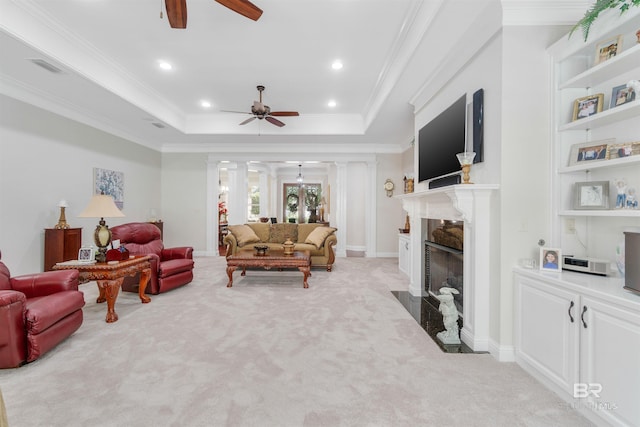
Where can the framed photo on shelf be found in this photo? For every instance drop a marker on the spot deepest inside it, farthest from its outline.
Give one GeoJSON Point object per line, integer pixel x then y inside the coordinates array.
{"type": "Point", "coordinates": [590, 151]}
{"type": "Point", "coordinates": [587, 106]}
{"type": "Point", "coordinates": [626, 149]}
{"type": "Point", "coordinates": [593, 195]}
{"type": "Point", "coordinates": [608, 48]}
{"type": "Point", "coordinates": [550, 259]}
{"type": "Point", "coordinates": [621, 95]}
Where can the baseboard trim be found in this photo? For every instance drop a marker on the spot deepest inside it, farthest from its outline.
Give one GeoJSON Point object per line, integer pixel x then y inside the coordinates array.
{"type": "Point", "coordinates": [502, 353]}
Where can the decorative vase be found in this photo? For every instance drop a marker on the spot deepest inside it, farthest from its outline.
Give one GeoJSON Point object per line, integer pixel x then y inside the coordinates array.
{"type": "Point", "coordinates": [288, 247]}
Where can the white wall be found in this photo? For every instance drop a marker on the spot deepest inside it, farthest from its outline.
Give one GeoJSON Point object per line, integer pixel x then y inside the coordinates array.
{"type": "Point", "coordinates": [390, 216]}
{"type": "Point", "coordinates": [45, 158]}
{"type": "Point", "coordinates": [525, 146]}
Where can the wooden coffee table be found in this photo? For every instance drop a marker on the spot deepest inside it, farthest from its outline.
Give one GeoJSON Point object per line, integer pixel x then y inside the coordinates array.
{"type": "Point", "coordinates": [275, 258]}
{"type": "Point", "coordinates": [109, 278]}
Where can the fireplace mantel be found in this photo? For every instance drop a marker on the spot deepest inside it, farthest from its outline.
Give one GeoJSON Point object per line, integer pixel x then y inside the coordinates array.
{"type": "Point", "coordinates": [455, 202]}
{"type": "Point", "coordinates": [470, 203]}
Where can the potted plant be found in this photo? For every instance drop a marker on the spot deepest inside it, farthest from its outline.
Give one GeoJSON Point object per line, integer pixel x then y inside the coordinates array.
{"type": "Point", "coordinates": [598, 7]}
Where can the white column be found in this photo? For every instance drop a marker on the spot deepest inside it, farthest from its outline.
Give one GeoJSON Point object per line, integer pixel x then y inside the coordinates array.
{"type": "Point", "coordinates": [238, 189]}
{"type": "Point", "coordinates": [371, 211]}
{"type": "Point", "coordinates": [213, 192]}
{"type": "Point", "coordinates": [264, 193]}
{"type": "Point", "coordinates": [338, 210]}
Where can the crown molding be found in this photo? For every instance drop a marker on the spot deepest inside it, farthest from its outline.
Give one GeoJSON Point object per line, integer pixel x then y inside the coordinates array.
{"type": "Point", "coordinates": [543, 12]}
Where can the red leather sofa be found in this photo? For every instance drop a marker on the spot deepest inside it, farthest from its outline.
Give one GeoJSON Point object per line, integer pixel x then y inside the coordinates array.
{"type": "Point", "coordinates": [170, 267]}
{"type": "Point", "coordinates": [37, 312]}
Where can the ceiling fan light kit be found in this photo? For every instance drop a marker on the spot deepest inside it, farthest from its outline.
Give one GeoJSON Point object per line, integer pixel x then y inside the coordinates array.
{"type": "Point", "coordinates": [177, 10]}
{"type": "Point", "coordinates": [262, 111]}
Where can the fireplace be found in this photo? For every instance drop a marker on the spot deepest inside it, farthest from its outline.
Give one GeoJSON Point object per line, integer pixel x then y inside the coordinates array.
{"type": "Point", "coordinates": [443, 259]}
{"type": "Point", "coordinates": [469, 206]}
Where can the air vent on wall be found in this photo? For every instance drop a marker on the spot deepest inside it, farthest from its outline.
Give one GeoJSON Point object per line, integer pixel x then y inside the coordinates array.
{"type": "Point", "coordinates": [46, 65]}
{"type": "Point", "coordinates": [158, 125]}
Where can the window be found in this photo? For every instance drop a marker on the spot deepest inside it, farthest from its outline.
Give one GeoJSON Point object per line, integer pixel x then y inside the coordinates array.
{"type": "Point", "coordinates": [301, 202]}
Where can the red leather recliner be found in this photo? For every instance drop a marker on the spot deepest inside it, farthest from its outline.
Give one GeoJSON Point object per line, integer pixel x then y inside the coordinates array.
{"type": "Point", "coordinates": [37, 312]}
{"type": "Point", "coordinates": [170, 267]}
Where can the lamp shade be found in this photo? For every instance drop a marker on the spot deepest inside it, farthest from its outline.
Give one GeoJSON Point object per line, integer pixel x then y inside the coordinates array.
{"type": "Point", "coordinates": [101, 206]}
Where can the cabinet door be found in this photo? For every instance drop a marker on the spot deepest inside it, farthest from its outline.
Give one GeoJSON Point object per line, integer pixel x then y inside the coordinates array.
{"type": "Point", "coordinates": [403, 254]}
{"type": "Point", "coordinates": [546, 331]}
{"type": "Point", "coordinates": [610, 364]}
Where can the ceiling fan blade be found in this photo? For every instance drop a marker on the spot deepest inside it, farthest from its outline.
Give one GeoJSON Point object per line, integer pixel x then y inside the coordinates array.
{"type": "Point", "coordinates": [250, 119]}
{"type": "Point", "coordinates": [232, 111]}
{"type": "Point", "coordinates": [285, 113]}
{"type": "Point", "coordinates": [176, 13]}
{"type": "Point", "coordinates": [274, 121]}
{"type": "Point", "coordinates": [243, 7]}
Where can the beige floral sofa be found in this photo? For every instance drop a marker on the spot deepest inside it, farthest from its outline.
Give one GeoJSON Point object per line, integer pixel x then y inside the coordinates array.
{"type": "Point", "coordinates": [318, 239]}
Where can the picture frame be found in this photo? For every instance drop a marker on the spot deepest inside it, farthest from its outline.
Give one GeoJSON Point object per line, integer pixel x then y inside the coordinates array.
{"type": "Point", "coordinates": [550, 259]}
{"type": "Point", "coordinates": [109, 182]}
{"type": "Point", "coordinates": [592, 151]}
{"type": "Point", "coordinates": [591, 195]}
{"type": "Point", "coordinates": [587, 106]}
{"type": "Point", "coordinates": [608, 48]}
{"type": "Point", "coordinates": [87, 254]}
{"type": "Point", "coordinates": [626, 149]}
{"type": "Point", "coordinates": [621, 95]}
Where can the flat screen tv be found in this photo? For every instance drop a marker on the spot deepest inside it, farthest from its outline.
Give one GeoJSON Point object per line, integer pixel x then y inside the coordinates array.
{"type": "Point", "coordinates": [440, 140]}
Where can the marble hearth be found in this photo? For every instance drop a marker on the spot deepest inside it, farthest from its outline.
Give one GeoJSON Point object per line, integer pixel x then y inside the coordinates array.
{"type": "Point", "coordinates": [470, 203]}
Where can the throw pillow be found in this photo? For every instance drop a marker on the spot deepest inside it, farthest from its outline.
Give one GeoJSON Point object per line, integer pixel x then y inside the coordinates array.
{"type": "Point", "coordinates": [319, 235]}
{"type": "Point", "coordinates": [281, 231]}
{"type": "Point", "coordinates": [244, 234]}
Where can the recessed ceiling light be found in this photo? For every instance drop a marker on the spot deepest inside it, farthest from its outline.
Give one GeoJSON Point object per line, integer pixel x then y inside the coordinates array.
{"type": "Point", "coordinates": [332, 103]}
{"type": "Point", "coordinates": [205, 104]}
{"type": "Point", "coordinates": [164, 65]}
{"type": "Point", "coordinates": [337, 65]}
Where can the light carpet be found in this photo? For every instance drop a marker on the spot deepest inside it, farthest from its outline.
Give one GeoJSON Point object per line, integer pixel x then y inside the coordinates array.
{"type": "Point", "coordinates": [267, 352]}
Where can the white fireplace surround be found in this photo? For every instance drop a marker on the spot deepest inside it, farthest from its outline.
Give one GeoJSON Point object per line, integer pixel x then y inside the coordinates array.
{"type": "Point", "coordinates": [470, 203]}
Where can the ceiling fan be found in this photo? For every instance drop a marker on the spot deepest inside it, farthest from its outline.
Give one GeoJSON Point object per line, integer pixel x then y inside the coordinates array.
{"type": "Point", "coordinates": [177, 10]}
{"type": "Point", "coordinates": [262, 111]}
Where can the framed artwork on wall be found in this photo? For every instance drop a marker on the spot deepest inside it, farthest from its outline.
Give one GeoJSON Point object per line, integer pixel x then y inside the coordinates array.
{"type": "Point", "coordinates": [109, 182]}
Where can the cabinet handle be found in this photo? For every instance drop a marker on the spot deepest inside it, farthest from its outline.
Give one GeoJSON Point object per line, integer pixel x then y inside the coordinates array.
{"type": "Point", "coordinates": [584, 310]}
{"type": "Point", "coordinates": [569, 311]}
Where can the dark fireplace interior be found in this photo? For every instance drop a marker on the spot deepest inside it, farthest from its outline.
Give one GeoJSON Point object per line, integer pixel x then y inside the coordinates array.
{"type": "Point", "coordinates": [443, 258]}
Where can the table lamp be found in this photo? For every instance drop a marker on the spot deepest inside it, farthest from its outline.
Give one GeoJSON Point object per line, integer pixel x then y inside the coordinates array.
{"type": "Point", "coordinates": [62, 221]}
{"type": "Point", "coordinates": [466, 159]}
{"type": "Point", "coordinates": [101, 206]}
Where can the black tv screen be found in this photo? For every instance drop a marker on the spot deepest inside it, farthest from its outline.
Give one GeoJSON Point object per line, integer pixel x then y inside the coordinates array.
{"type": "Point", "coordinates": [440, 140]}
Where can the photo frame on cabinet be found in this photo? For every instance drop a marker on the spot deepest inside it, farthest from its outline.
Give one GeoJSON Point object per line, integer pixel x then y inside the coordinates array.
{"type": "Point", "coordinates": [617, 151]}
{"type": "Point", "coordinates": [592, 195]}
{"type": "Point", "coordinates": [550, 259]}
{"type": "Point", "coordinates": [621, 95]}
{"type": "Point", "coordinates": [587, 106]}
{"type": "Point", "coordinates": [592, 151]}
{"type": "Point", "coordinates": [608, 48]}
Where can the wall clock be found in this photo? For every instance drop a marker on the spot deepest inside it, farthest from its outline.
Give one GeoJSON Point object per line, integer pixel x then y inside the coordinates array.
{"type": "Point", "coordinates": [389, 186]}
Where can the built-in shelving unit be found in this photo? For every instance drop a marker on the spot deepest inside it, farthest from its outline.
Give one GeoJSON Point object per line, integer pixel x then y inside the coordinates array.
{"type": "Point", "coordinates": [594, 233]}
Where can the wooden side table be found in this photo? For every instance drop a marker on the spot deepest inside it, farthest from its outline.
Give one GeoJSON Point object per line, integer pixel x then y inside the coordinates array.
{"type": "Point", "coordinates": [109, 277]}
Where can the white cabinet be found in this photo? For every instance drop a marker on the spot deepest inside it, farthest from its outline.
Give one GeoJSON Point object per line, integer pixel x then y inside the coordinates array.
{"type": "Point", "coordinates": [404, 253]}
{"type": "Point", "coordinates": [580, 335]}
{"type": "Point", "coordinates": [594, 232]}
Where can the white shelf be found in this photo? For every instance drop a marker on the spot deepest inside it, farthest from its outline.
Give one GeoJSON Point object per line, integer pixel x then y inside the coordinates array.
{"type": "Point", "coordinates": [613, 163]}
{"type": "Point", "coordinates": [621, 213]}
{"type": "Point", "coordinates": [607, 117]}
{"type": "Point", "coordinates": [602, 72]}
